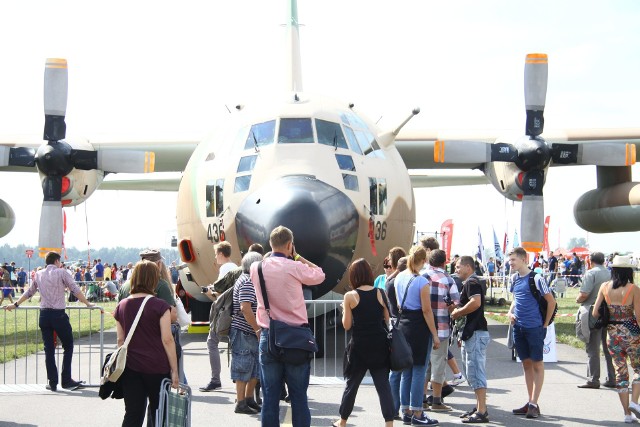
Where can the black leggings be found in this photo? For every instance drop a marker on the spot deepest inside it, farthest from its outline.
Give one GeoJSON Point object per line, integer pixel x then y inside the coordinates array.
{"type": "Point", "coordinates": [380, 378]}
{"type": "Point", "coordinates": [137, 387]}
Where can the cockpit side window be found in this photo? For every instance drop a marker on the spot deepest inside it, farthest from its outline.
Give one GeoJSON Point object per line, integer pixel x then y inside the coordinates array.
{"type": "Point", "coordinates": [378, 196]}
{"type": "Point", "coordinates": [345, 163]}
{"type": "Point", "coordinates": [295, 131]}
{"type": "Point", "coordinates": [214, 197]}
{"type": "Point", "coordinates": [247, 163]}
{"type": "Point", "coordinates": [260, 134]}
{"type": "Point", "coordinates": [330, 133]}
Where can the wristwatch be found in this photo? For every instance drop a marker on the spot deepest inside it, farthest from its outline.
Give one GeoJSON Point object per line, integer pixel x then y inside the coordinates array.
{"type": "Point", "coordinates": [16, 304]}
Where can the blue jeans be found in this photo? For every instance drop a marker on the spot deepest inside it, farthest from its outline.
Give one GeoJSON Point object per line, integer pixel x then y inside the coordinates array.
{"type": "Point", "coordinates": [474, 358]}
{"type": "Point", "coordinates": [56, 321]}
{"type": "Point", "coordinates": [272, 377]}
{"type": "Point", "coordinates": [412, 382]}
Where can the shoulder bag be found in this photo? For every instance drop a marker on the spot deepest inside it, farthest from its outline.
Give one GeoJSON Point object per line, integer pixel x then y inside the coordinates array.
{"type": "Point", "coordinates": [294, 345]}
{"type": "Point", "coordinates": [116, 361]}
{"type": "Point", "coordinates": [400, 355]}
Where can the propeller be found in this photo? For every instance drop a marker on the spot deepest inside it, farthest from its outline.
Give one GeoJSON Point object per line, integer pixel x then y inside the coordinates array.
{"type": "Point", "coordinates": [532, 154]}
{"type": "Point", "coordinates": [56, 158]}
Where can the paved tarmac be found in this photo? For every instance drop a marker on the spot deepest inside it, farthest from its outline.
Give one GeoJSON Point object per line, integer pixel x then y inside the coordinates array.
{"type": "Point", "coordinates": [561, 403]}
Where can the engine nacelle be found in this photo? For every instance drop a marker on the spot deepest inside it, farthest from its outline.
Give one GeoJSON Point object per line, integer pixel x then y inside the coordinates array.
{"type": "Point", "coordinates": [79, 184]}
{"type": "Point", "coordinates": [609, 210]}
{"type": "Point", "coordinates": [7, 218]}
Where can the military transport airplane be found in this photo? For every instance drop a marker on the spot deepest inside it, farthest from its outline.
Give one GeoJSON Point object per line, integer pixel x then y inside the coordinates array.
{"type": "Point", "coordinates": [321, 168]}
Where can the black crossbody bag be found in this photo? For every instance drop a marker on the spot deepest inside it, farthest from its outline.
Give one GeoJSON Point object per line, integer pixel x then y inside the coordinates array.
{"type": "Point", "coordinates": [288, 344]}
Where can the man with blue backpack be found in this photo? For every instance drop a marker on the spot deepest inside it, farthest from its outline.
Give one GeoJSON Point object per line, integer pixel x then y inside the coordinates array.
{"type": "Point", "coordinates": [531, 297]}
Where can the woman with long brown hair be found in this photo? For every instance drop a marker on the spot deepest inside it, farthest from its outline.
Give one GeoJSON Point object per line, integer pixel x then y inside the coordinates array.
{"type": "Point", "coordinates": [365, 314]}
{"type": "Point", "coordinates": [151, 355]}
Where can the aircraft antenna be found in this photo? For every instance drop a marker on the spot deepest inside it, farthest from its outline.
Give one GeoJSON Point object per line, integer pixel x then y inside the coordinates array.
{"type": "Point", "coordinates": [227, 107]}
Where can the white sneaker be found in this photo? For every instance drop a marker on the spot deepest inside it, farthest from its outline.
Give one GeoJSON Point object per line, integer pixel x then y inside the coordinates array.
{"type": "Point", "coordinates": [635, 409]}
{"type": "Point", "coordinates": [630, 419]}
{"type": "Point", "coordinates": [456, 381]}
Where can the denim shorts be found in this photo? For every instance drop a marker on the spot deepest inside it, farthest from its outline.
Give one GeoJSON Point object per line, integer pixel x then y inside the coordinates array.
{"type": "Point", "coordinates": [244, 355]}
{"type": "Point", "coordinates": [474, 357]}
{"type": "Point", "coordinates": [529, 342]}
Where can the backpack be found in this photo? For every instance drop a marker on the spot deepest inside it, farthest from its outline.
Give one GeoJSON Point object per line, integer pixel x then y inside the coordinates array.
{"type": "Point", "coordinates": [222, 313]}
{"type": "Point", "coordinates": [542, 302]}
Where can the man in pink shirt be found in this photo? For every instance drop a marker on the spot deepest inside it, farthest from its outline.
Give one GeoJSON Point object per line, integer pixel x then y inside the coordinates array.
{"type": "Point", "coordinates": [52, 282]}
{"type": "Point", "coordinates": [285, 271]}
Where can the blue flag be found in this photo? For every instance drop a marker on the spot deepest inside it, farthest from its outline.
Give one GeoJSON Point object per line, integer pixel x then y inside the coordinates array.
{"type": "Point", "coordinates": [480, 253]}
{"type": "Point", "coordinates": [496, 246]}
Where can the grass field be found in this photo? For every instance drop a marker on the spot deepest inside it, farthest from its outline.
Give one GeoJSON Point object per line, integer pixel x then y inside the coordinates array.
{"type": "Point", "coordinates": [21, 335]}
{"type": "Point", "coordinates": [565, 326]}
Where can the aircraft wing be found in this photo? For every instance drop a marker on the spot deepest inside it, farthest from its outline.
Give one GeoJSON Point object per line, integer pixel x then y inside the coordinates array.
{"type": "Point", "coordinates": [423, 180]}
{"type": "Point", "coordinates": [149, 182]}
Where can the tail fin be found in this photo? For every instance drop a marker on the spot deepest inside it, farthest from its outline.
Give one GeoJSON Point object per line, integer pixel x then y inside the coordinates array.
{"type": "Point", "coordinates": [294, 77]}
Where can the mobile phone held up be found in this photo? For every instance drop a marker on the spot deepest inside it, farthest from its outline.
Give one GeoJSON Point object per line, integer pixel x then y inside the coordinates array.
{"type": "Point", "coordinates": [204, 289]}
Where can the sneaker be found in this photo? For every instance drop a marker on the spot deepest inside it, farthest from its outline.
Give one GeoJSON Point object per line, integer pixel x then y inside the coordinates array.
{"type": "Point", "coordinates": [406, 418]}
{"type": "Point", "coordinates": [423, 420]}
{"type": "Point", "coordinates": [211, 386]}
{"type": "Point", "coordinates": [456, 381]}
{"type": "Point", "coordinates": [73, 385]}
{"type": "Point", "coordinates": [441, 407]}
{"type": "Point", "coordinates": [253, 404]}
{"type": "Point", "coordinates": [244, 408]}
{"type": "Point", "coordinates": [533, 411]}
{"type": "Point", "coordinates": [52, 386]}
{"type": "Point", "coordinates": [521, 411]}
{"type": "Point", "coordinates": [635, 409]}
{"type": "Point", "coordinates": [630, 419]}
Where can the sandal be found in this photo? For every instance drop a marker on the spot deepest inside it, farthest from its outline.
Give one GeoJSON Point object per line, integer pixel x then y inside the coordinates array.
{"type": "Point", "coordinates": [477, 418]}
{"type": "Point", "coordinates": [469, 413]}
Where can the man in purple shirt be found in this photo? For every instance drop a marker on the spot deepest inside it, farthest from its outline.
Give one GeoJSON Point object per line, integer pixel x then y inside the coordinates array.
{"type": "Point", "coordinates": [284, 273]}
{"type": "Point", "coordinates": [52, 282]}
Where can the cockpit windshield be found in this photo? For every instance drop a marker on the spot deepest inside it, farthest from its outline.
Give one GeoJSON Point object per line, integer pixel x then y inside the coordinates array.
{"type": "Point", "coordinates": [261, 134]}
{"type": "Point", "coordinates": [330, 133]}
{"type": "Point", "coordinates": [295, 131]}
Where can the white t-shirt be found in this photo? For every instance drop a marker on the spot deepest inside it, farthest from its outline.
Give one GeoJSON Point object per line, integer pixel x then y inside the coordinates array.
{"type": "Point", "coordinates": [225, 268]}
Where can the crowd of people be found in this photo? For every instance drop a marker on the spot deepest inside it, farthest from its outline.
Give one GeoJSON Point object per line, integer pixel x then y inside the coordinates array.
{"type": "Point", "coordinates": [434, 305]}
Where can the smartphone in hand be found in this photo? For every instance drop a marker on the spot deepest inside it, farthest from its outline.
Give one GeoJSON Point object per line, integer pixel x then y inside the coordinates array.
{"type": "Point", "coordinates": [204, 289]}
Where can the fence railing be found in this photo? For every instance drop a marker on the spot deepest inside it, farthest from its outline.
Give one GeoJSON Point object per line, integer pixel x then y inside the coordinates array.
{"type": "Point", "coordinates": [331, 337]}
{"type": "Point", "coordinates": [23, 355]}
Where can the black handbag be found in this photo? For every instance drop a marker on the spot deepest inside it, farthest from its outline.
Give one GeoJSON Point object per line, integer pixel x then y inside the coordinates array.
{"type": "Point", "coordinates": [400, 354]}
{"type": "Point", "coordinates": [294, 345]}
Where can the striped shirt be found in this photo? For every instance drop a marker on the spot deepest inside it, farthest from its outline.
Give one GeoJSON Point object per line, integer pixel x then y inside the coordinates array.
{"type": "Point", "coordinates": [441, 285]}
{"type": "Point", "coordinates": [243, 291]}
{"type": "Point", "coordinates": [51, 282]}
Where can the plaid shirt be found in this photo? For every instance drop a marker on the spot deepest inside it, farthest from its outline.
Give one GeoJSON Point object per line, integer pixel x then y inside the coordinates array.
{"type": "Point", "coordinates": [441, 284]}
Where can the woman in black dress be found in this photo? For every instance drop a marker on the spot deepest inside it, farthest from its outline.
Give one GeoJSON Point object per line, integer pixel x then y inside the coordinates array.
{"type": "Point", "coordinates": [365, 313]}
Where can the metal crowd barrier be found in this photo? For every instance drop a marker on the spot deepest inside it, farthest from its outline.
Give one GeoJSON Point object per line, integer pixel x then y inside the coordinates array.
{"type": "Point", "coordinates": [331, 337]}
{"type": "Point", "coordinates": [88, 350]}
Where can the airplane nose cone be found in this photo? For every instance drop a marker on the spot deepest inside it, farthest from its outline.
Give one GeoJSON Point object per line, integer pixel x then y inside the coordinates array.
{"type": "Point", "coordinates": [322, 218]}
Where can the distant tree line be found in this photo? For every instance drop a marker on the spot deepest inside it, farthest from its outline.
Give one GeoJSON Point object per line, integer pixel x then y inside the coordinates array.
{"type": "Point", "coordinates": [119, 255]}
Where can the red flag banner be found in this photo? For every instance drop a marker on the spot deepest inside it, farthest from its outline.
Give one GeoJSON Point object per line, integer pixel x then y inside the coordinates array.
{"type": "Point", "coordinates": [446, 230]}
{"type": "Point", "coordinates": [545, 240]}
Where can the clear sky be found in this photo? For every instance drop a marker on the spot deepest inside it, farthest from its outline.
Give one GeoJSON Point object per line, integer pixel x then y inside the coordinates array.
{"type": "Point", "coordinates": [159, 68]}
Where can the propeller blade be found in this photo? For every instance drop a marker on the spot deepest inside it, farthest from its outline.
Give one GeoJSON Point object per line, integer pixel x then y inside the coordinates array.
{"type": "Point", "coordinates": [532, 216]}
{"type": "Point", "coordinates": [532, 223]}
{"type": "Point", "coordinates": [50, 238]}
{"type": "Point", "coordinates": [17, 156]}
{"type": "Point", "coordinates": [473, 152]}
{"type": "Point", "coordinates": [594, 153]}
{"type": "Point", "coordinates": [126, 161]}
{"type": "Point", "coordinates": [535, 92]}
{"type": "Point", "coordinates": [55, 99]}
